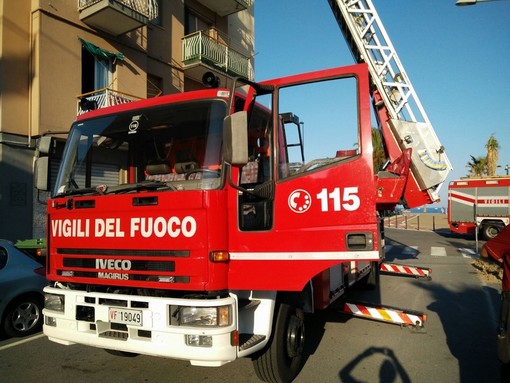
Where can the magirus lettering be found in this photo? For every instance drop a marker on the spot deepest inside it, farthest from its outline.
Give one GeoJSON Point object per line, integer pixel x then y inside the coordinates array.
{"type": "Point", "coordinates": [113, 264]}
{"type": "Point", "coordinates": [118, 276]}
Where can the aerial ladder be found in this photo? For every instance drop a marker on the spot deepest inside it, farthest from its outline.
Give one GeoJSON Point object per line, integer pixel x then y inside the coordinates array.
{"type": "Point", "coordinates": [418, 164]}
{"type": "Point", "coordinates": [407, 131]}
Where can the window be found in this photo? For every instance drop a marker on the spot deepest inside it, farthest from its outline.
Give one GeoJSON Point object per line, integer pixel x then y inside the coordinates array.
{"type": "Point", "coordinates": [96, 73]}
{"type": "Point", "coordinates": [324, 131]}
{"type": "Point", "coordinates": [255, 212]}
{"type": "Point", "coordinates": [175, 144]}
{"type": "Point", "coordinates": [3, 258]}
{"type": "Point", "coordinates": [195, 23]}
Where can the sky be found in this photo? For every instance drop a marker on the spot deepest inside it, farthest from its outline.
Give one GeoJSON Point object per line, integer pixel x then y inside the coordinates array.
{"type": "Point", "coordinates": [457, 59]}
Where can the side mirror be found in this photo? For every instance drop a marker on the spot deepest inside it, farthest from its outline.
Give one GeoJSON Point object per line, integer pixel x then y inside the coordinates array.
{"type": "Point", "coordinates": [235, 139]}
{"type": "Point", "coordinates": [42, 164]}
{"type": "Point", "coordinates": [41, 174]}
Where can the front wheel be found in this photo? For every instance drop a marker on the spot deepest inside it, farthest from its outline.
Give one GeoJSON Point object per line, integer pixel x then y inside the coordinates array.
{"type": "Point", "coordinates": [283, 358]}
{"type": "Point", "coordinates": [24, 317]}
{"type": "Point", "coordinates": [489, 231]}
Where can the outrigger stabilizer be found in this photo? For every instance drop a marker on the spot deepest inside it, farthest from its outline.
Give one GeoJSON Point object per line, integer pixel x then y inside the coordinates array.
{"type": "Point", "coordinates": [387, 314]}
{"type": "Point", "coordinates": [412, 271]}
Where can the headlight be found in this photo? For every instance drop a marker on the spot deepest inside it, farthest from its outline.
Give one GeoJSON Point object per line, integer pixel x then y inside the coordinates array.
{"type": "Point", "coordinates": [204, 316]}
{"type": "Point", "coordinates": [54, 302]}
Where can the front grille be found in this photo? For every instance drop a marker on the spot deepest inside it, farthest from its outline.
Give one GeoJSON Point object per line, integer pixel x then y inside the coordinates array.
{"type": "Point", "coordinates": [137, 265]}
{"type": "Point", "coordinates": [123, 276]}
{"type": "Point", "coordinates": [114, 335]}
{"type": "Point", "coordinates": [125, 252]}
{"type": "Point", "coordinates": [119, 265]}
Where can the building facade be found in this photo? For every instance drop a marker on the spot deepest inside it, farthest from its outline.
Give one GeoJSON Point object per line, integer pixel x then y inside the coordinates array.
{"type": "Point", "coordinates": [62, 58]}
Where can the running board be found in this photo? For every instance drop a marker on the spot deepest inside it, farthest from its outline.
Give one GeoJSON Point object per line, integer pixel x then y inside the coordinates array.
{"type": "Point", "coordinates": [247, 341]}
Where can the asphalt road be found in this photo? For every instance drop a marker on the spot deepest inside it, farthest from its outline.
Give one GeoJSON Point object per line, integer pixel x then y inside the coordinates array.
{"type": "Point", "coordinates": [456, 344]}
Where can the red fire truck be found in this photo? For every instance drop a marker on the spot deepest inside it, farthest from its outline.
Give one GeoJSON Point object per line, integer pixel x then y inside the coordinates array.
{"type": "Point", "coordinates": [479, 203]}
{"type": "Point", "coordinates": [201, 226]}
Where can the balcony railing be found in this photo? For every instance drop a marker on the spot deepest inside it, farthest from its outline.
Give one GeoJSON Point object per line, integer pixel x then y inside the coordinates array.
{"type": "Point", "coordinates": [117, 16]}
{"type": "Point", "coordinates": [148, 8]}
{"type": "Point", "coordinates": [102, 98]}
{"type": "Point", "coordinates": [200, 48]}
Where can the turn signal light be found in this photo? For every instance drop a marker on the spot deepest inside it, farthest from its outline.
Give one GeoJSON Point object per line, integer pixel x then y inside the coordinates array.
{"type": "Point", "coordinates": [219, 256]}
{"type": "Point", "coordinates": [234, 338]}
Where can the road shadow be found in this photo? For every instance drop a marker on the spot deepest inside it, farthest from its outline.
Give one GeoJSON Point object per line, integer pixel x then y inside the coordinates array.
{"type": "Point", "coordinates": [399, 251]}
{"type": "Point", "coordinates": [316, 323]}
{"type": "Point", "coordinates": [315, 328]}
{"type": "Point", "coordinates": [470, 329]}
{"type": "Point", "coordinates": [462, 238]}
{"type": "Point", "coordinates": [450, 234]}
{"type": "Point", "coordinates": [390, 368]}
{"type": "Point", "coordinates": [381, 359]}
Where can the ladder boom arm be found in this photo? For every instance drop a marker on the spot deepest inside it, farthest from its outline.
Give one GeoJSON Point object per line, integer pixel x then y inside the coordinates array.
{"type": "Point", "coordinates": [401, 116]}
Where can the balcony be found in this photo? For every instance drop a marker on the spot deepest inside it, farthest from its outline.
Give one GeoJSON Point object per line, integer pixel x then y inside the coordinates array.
{"type": "Point", "coordinates": [117, 17]}
{"type": "Point", "coordinates": [204, 51]}
{"type": "Point", "coordinates": [225, 7]}
{"type": "Point", "coordinates": [102, 98]}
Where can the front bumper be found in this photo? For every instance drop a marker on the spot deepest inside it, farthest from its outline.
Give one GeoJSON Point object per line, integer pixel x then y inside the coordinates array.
{"type": "Point", "coordinates": [155, 333]}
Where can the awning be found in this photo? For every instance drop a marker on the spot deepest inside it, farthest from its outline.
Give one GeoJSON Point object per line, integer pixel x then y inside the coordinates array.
{"type": "Point", "coordinates": [100, 53]}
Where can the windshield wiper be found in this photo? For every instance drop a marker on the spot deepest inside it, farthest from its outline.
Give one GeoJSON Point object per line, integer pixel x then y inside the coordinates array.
{"type": "Point", "coordinates": [117, 189]}
{"type": "Point", "coordinates": [144, 185]}
{"type": "Point", "coordinates": [84, 191]}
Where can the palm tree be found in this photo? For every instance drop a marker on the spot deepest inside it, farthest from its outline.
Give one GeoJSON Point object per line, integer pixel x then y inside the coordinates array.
{"type": "Point", "coordinates": [477, 166]}
{"type": "Point", "coordinates": [492, 147]}
{"type": "Point", "coordinates": [379, 155]}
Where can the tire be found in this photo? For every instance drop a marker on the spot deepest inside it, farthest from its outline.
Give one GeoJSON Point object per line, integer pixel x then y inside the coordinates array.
{"type": "Point", "coordinates": [489, 231]}
{"type": "Point", "coordinates": [371, 280]}
{"type": "Point", "coordinates": [283, 358]}
{"type": "Point", "coordinates": [23, 317]}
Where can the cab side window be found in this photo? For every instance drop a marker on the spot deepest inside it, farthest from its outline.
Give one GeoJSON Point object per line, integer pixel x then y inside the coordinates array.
{"type": "Point", "coordinates": [255, 213]}
{"type": "Point", "coordinates": [318, 126]}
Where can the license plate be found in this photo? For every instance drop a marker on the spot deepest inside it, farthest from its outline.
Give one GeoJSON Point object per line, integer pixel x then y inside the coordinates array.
{"type": "Point", "coordinates": [125, 316]}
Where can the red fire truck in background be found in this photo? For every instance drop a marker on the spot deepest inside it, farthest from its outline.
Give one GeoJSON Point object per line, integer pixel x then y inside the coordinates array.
{"type": "Point", "coordinates": [191, 226]}
{"type": "Point", "coordinates": [481, 203]}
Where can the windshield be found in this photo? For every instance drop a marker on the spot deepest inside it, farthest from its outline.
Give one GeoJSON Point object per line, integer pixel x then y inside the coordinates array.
{"type": "Point", "coordinates": [168, 147]}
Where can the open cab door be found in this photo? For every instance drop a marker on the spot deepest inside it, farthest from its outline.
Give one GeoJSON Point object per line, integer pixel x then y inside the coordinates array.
{"type": "Point", "coordinates": [306, 198]}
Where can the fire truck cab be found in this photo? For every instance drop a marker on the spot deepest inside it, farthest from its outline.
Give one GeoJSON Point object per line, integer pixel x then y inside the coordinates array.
{"type": "Point", "coordinates": [219, 223]}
